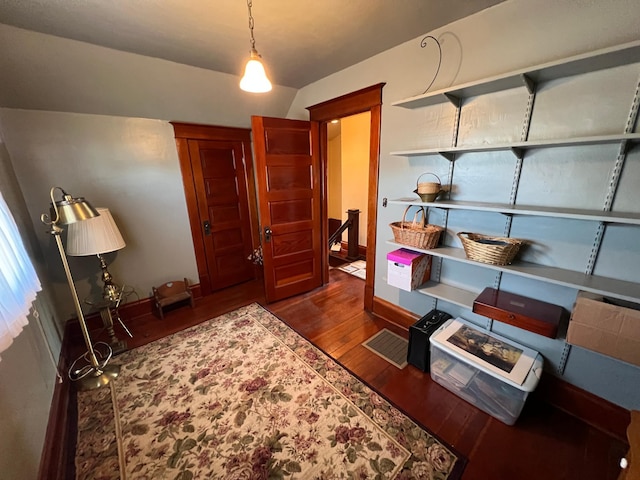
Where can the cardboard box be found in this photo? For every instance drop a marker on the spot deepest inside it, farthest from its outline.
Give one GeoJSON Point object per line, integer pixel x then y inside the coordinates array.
{"type": "Point", "coordinates": [407, 269]}
{"type": "Point", "coordinates": [606, 326]}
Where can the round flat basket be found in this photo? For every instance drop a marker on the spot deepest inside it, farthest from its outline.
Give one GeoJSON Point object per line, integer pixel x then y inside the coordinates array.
{"type": "Point", "coordinates": [416, 233]}
{"type": "Point", "coordinates": [487, 249]}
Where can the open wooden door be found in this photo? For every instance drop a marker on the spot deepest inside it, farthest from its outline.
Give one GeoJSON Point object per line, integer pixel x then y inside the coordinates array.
{"type": "Point", "coordinates": [289, 192]}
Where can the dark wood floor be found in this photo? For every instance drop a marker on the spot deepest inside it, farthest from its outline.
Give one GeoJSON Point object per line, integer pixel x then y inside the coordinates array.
{"type": "Point", "coordinates": [544, 444]}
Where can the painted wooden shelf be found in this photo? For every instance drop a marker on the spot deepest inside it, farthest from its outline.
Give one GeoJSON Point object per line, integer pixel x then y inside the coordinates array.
{"type": "Point", "coordinates": [627, 218]}
{"type": "Point", "coordinates": [457, 296]}
{"type": "Point", "coordinates": [518, 148]}
{"type": "Point", "coordinates": [589, 62]}
{"type": "Point", "coordinates": [606, 286]}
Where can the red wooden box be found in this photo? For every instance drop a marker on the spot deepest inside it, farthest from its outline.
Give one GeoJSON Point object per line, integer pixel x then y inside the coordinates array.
{"type": "Point", "coordinates": [523, 312]}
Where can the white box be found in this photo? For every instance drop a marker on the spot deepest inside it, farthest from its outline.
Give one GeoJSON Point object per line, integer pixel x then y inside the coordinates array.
{"type": "Point", "coordinates": [407, 269]}
{"type": "Point", "coordinates": [487, 370]}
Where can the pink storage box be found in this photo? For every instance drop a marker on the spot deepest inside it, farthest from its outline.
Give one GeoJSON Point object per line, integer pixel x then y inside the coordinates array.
{"type": "Point", "coordinates": [407, 269]}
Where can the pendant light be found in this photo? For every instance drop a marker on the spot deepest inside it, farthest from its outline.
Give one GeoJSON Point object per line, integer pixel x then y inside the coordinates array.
{"type": "Point", "coordinates": [255, 79]}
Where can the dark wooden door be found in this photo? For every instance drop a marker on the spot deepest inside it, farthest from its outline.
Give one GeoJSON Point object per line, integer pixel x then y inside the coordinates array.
{"type": "Point", "coordinates": [218, 180]}
{"type": "Point", "coordinates": [222, 202]}
{"type": "Point", "coordinates": [289, 193]}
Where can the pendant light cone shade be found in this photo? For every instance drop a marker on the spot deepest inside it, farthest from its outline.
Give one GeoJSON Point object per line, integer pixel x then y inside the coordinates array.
{"type": "Point", "coordinates": [94, 236]}
{"type": "Point", "coordinates": [72, 210]}
{"type": "Point", "coordinates": [255, 78]}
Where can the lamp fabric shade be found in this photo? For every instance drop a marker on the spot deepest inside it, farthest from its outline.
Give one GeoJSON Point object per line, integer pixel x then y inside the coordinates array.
{"type": "Point", "coordinates": [94, 236]}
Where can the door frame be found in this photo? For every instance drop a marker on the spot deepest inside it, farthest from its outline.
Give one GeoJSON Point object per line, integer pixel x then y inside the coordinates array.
{"type": "Point", "coordinates": [184, 132]}
{"type": "Point", "coordinates": [366, 99]}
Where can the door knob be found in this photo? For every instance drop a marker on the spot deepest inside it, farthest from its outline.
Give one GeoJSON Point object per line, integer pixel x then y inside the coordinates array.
{"type": "Point", "coordinates": [207, 227]}
{"type": "Point", "coordinates": [267, 234]}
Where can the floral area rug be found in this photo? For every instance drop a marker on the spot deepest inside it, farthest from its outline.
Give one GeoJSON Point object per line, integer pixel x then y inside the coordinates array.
{"type": "Point", "coordinates": [243, 396]}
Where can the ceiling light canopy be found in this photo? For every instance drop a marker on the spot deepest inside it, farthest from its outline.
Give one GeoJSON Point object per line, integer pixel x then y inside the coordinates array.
{"type": "Point", "coordinates": [255, 78]}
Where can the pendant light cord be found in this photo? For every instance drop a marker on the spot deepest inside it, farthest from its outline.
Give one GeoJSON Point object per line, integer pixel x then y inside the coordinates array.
{"type": "Point", "coordinates": [253, 40]}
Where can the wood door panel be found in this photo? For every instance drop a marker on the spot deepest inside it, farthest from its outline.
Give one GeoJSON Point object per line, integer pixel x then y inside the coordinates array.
{"type": "Point", "coordinates": [291, 211]}
{"type": "Point", "coordinates": [291, 243]}
{"type": "Point", "coordinates": [232, 264]}
{"type": "Point", "coordinates": [228, 239]}
{"type": "Point", "coordinates": [217, 162]}
{"type": "Point", "coordinates": [224, 214]}
{"type": "Point", "coordinates": [221, 191]}
{"type": "Point", "coordinates": [289, 177]}
{"type": "Point", "coordinates": [287, 141]}
{"type": "Point", "coordinates": [294, 272]}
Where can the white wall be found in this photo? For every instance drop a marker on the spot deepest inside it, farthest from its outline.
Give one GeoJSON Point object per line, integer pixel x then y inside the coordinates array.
{"type": "Point", "coordinates": [42, 72]}
{"type": "Point", "coordinates": [74, 115]}
{"type": "Point", "coordinates": [509, 36]}
{"type": "Point", "coordinates": [26, 373]}
{"type": "Point", "coordinates": [127, 165]}
{"type": "Point", "coordinates": [95, 122]}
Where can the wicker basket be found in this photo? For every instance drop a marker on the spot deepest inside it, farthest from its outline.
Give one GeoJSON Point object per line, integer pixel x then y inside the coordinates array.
{"type": "Point", "coordinates": [492, 250]}
{"type": "Point", "coordinates": [416, 233]}
{"type": "Point", "coordinates": [428, 191]}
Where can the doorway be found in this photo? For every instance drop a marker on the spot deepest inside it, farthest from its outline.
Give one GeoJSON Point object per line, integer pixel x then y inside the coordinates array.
{"type": "Point", "coordinates": [347, 191]}
{"type": "Point", "coordinates": [366, 100]}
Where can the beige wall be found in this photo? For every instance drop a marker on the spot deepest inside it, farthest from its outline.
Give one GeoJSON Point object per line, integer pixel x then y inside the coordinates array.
{"type": "Point", "coordinates": [355, 168]}
{"type": "Point", "coordinates": [334, 177]}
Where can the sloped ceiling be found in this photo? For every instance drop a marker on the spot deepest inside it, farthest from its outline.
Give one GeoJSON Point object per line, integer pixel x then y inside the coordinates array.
{"type": "Point", "coordinates": [300, 41]}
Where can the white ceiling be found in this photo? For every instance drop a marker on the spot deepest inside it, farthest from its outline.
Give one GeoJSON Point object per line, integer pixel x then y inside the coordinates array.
{"type": "Point", "coordinates": [300, 41]}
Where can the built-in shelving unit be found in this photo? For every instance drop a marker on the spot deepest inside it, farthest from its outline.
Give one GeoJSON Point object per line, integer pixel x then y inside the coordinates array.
{"type": "Point", "coordinates": [610, 287]}
{"type": "Point", "coordinates": [518, 148]}
{"type": "Point", "coordinates": [625, 141]}
{"type": "Point", "coordinates": [627, 218]}
{"type": "Point", "coordinates": [589, 62]}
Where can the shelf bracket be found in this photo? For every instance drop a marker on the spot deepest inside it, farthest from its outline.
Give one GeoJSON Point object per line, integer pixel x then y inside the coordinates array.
{"type": "Point", "coordinates": [453, 99]}
{"type": "Point", "coordinates": [448, 155]}
{"type": "Point", "coordinates": [518, 152]}
{"type": "Point", "coordinates": [528, 82]}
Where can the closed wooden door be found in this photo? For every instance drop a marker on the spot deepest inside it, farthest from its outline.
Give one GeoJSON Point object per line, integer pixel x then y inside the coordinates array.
{"type": "Point", "coordinates": [217, 176]}
{"type": "Point", "coordinates": [289, 193]}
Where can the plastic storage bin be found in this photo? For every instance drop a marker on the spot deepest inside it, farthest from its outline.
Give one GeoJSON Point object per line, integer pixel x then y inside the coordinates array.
{"type": "Point", "coordinates": [487, 370]}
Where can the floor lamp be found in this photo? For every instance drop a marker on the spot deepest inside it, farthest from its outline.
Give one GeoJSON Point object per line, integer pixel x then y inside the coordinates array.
{"type": "Point", "coordinates": [91, 370]}
{"type": "Point", "coordinates": [97, 236]}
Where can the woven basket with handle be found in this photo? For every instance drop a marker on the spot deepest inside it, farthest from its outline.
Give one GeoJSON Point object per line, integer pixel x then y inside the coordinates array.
{"type": "Point", "coordinates": [416, 233]}
{"type": "Point", "coordinates": [487, 249]}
